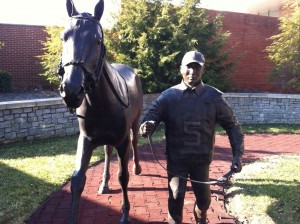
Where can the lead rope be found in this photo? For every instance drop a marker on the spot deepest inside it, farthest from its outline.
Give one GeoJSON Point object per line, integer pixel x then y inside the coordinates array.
{"type": "Point", "coordinates": [217, 181]}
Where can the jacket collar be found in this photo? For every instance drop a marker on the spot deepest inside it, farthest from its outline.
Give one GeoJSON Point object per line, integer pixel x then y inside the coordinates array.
{"type": "Point", "coordinates": [198, 89]}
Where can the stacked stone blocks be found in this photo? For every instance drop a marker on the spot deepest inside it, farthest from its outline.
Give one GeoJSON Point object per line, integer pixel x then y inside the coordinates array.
{"type": "Point", "coordinates": [34, 119]}
{"type": "Point", "coordinates": [43, 118]}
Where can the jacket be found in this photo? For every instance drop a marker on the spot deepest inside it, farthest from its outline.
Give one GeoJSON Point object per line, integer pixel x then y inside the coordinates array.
{"type": "Point", "coordinates": [190, 116]}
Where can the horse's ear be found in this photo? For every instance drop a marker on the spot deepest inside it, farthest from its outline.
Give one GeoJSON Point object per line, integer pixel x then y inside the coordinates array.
{"type": "Point", "coordinates": [99, 8]}
{"type": "Point", "coordinates": [72, 11]}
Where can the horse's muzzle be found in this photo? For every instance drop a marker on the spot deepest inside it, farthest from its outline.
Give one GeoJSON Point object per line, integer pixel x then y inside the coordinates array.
{"type": "Point", "coordinates": [72, 96]}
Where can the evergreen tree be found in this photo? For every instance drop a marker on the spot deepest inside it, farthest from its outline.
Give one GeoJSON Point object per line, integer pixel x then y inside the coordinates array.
{"type": "Point", "coordinates": [284, 52]}
{"type": "Point", "coordinates": [152, 36]}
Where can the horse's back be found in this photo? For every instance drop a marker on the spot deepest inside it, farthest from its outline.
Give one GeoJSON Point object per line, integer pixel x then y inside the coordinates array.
{"type": "Point", "coordinates": [127, 73]}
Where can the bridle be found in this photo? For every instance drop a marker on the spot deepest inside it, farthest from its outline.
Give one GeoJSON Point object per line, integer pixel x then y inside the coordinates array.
{"type": "Point", "coordinates": [91, 76]}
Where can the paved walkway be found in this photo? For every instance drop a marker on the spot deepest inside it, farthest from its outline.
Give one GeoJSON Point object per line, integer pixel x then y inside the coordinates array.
{"type": "Point", "coordinates": [148, 192]}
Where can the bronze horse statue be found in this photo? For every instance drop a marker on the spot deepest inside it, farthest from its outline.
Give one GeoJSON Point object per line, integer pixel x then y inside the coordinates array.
{"type": "Point", "coordinates": [107, 99]}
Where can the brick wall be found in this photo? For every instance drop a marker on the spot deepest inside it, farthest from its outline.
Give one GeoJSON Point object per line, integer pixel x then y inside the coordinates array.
{"type": "Point", "coordinates": [249, 39]}
{"type": "Point", "coordinates": [34, 119]}
{"type": "Point", "coordinates": [18, 56]}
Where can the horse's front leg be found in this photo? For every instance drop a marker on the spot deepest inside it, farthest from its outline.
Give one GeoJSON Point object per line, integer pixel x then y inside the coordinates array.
{"type": "Point", "coordinates": [104, 189]}
{"type": "Point", "coordinates": [137, 169]}
{"type": "Point", "coordinates": [123, 176]}
{"type": "Point", "coordinates": [83, 156]}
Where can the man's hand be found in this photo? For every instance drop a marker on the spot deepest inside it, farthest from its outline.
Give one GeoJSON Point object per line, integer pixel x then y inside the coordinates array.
{"type": "Point", "coordinates": [147, 128]}
{"type": "Point", "coordinates": [236, 164]}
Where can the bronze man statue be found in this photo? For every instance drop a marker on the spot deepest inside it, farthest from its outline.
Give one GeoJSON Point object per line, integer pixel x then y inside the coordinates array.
{"type": "Point", "coordinates": [190, 111]}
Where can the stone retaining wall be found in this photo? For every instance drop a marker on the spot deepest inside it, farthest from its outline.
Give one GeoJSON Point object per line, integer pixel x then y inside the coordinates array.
{"type": "Point", "coordinates": [34, 119]}
{"type": "Point", "coordinates": [254, 108]}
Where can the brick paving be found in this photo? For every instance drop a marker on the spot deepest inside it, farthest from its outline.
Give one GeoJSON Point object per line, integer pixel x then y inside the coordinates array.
{"type": "Point", "coordinates": [148, 191]}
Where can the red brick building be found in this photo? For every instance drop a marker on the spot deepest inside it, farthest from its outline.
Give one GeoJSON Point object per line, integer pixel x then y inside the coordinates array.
{"type": "Point", "coordinates": [249, 38]}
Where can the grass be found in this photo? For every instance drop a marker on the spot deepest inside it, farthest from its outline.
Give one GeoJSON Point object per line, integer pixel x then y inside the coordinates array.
{"type": "Point", "coordinates": [31, 171]}
{"type": "Point", "coordinates": [267, 191]}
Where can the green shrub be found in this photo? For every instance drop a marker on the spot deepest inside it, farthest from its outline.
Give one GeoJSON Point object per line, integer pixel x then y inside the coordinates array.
{"type": "Point", "coordinates": [5, 81]}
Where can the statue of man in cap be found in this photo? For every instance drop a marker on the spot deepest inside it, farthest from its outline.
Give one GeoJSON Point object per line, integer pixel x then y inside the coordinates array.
{"type": "Point", "coordinates": [190, 111]}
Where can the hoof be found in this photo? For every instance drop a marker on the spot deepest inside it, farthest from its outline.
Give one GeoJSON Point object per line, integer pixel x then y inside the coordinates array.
{"type": "Point", "coordinates": [125, 219]}
{"type": "Point", "coordinates": [103, 190]}
{"type": "Point", "coordinates": [72, 220]}
{"type": "Point", "coordinates": [137, 169]}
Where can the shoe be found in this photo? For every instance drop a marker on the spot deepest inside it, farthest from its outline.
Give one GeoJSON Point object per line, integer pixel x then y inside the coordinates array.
{"type": "Point", "coordinates": [202, 219]}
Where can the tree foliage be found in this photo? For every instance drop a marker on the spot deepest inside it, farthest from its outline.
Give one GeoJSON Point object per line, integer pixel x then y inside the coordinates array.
{"type": "Point", "coordinates": [52, 49]}
{"type": "Point", "coordinates": [152, 36]}
{"type": "Point", "coordinates": [284, 51]}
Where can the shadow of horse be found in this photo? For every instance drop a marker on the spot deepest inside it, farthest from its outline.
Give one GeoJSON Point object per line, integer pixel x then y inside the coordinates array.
{"type": "Point", "coordinates": [107, 100]}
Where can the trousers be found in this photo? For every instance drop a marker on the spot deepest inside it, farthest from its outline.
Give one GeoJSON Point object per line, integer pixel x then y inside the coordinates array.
{"type": "Point", "coordinates": [195, 170]}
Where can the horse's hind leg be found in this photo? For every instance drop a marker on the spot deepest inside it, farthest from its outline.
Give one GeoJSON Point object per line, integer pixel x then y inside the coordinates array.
{"type": "Point", "coordinates": [104, 189]}
{"type": "Point", "coordinates": [83, 156]}
{"type": "Point", "coordinates": [136, 169]}
{"type": "Point", "coordinates": [123, 176]}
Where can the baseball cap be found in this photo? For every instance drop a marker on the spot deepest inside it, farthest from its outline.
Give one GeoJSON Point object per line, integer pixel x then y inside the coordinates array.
{"type": "Point", "coordinates": [193, 56]}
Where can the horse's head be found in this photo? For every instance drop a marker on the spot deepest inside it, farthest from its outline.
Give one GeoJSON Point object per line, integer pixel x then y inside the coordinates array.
{"type": "Point", "coordinates": [82, 56]}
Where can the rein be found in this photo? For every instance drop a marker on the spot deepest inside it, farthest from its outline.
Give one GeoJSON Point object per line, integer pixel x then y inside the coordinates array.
{"type": "Point", "coordinates": [113, 89]}
{"type": "Point", "coordinates": [216, 181]}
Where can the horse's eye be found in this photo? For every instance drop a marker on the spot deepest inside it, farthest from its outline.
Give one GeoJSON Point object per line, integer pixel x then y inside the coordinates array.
{"type": "Point", "coordinates": [63, 35]}
{"type": "Point", "coordinates": [98, 41]}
